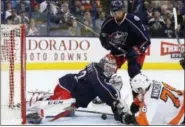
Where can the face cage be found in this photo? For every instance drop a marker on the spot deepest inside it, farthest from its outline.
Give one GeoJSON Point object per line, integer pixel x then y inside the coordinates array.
{"type": "Point", "coordinates": [109, 70]}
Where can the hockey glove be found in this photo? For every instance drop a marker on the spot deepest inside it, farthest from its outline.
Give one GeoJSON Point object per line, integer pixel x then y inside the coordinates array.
{"type": "Point", "coordinates": [124, 117]}
{"type": "Point", "coordinates": [128, 119]}
{"type": "Point", "coordinates": [119, 109]}
{"type": "Point", "coordinates": [136, 104]}
{"type": "Point", "coordinates": [104, 39]}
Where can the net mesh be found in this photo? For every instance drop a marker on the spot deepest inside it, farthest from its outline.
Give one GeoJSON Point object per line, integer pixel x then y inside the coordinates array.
{"type": "Point", "coordinates": [13, 74]}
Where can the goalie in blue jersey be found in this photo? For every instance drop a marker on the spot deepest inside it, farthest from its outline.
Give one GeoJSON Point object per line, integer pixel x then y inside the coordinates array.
{"type": "Point", "coordinates": [78, 90]}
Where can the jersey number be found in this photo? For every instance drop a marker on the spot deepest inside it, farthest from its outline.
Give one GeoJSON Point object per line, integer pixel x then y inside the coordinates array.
{"type": "Point", "coordinates": [81, 74]}
{"type": "Point", "coordinates": [165, 94]}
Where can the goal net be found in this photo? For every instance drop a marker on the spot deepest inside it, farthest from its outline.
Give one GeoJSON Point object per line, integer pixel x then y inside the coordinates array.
{"type": "Point", "coordinates": [13, 74]}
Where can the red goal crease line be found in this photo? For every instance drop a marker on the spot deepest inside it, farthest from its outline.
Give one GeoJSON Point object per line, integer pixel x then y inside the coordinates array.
{"type": "Point", "coordinates": [81, 65]}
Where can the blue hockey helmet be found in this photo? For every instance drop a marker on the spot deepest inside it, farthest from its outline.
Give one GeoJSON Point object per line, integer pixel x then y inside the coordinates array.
{"type": "Point", "coordinates": [116, 5]}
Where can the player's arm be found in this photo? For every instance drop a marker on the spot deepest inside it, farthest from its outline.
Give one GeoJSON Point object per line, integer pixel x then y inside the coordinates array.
{"type": "Point", "coordinates": [141, 33]}
{"type": "Point", "coordinates": [104, 36]}
{"type": "Point", "coordinates": [111, 97]}
{"type": "Point", "coordinates": [106, 92]}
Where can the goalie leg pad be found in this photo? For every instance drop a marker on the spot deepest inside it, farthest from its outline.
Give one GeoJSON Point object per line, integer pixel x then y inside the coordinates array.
{"type": "Point", "coordinates": [42, 109]}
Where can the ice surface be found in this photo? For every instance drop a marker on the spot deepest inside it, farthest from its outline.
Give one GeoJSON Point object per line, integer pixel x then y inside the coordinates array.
{"type": "Point", "coordinates": [47, 80]}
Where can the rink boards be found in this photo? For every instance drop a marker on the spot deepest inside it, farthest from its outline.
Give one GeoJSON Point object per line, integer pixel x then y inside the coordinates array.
{"type": "Point", "coordinates": [64, 53]}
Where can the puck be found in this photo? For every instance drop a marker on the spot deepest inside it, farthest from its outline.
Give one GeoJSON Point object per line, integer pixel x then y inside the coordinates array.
{"type": "Point", "coordinates": [104, 116]}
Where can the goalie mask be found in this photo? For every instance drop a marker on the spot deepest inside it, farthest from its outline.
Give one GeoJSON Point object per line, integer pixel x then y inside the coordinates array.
{"type": "Point", "coordinates": [109, 65]}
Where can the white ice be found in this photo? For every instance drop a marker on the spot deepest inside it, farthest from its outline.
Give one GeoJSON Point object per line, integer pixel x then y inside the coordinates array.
{"type": "Point", "coordinates": [46, 80]}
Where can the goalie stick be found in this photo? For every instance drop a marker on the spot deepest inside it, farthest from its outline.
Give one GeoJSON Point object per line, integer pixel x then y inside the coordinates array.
{"type": "Point", "coordinates": [95, 112]}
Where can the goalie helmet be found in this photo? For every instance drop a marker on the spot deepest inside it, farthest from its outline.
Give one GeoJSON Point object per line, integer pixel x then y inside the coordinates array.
{"type": "Point", "coordinates": [140, 81]}
{"type": "Point", "coordinates": [108, 65]}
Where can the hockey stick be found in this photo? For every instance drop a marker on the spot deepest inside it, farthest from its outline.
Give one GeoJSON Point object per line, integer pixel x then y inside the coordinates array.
{"type": "Point", "coordinates": [176, 27]}
{"type": "Point", "coordinates": [65, 113]}
{"type": "Point", "coordinates": [95, 112]}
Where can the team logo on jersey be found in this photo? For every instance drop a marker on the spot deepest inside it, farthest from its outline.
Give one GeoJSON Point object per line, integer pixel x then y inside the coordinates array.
{"type": "Point", "coordinates": [119, 38]}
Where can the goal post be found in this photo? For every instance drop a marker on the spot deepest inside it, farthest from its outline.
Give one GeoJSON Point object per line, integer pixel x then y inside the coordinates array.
{"type": "Point", "coordinates": [13, 71]}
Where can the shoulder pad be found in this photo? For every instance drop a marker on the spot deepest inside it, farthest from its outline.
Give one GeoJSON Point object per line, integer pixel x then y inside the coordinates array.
{"type": "Point", "coordinates": [151, 20]}
{"type": "Point", "coordinates": [133, 17]}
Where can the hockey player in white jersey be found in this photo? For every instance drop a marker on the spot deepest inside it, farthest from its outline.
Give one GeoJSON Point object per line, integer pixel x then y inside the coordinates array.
{"type": "Point", "coordinates": [157, 103]}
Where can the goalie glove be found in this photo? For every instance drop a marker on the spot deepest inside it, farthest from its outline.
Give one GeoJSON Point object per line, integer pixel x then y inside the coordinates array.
{"type": "Point", "coordinates": [120, 110]}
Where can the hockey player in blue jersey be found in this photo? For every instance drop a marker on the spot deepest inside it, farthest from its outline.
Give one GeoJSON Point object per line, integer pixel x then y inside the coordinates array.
{"type": "Point", "coordinates": [83, 87]}
{"type": "Point", "coordinates": [126, 38]}
{"type": "Point", "coordinates": [124, 31]}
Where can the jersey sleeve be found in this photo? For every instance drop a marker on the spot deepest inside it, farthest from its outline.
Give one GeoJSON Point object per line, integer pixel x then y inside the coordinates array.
{"type": "Point", "coordinates": [105, 91]}
{"type": "Point", "coordinates": [139, 30]}
{"type": "Point", "coordinates": [147, 112]}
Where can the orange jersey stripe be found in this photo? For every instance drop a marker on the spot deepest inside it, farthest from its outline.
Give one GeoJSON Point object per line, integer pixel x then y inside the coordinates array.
{"type": "Point", "coordinates": [142, 118]}
{"type": "Point", "coordinates": [176, 120]}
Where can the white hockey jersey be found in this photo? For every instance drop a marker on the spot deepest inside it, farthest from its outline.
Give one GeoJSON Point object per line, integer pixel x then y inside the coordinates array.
{"type": "Point", "coordinates": [162, 105]}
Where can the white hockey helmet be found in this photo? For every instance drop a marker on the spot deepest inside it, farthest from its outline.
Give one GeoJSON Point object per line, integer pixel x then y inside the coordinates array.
{"type": "Point", "coordinates": [140, 81]}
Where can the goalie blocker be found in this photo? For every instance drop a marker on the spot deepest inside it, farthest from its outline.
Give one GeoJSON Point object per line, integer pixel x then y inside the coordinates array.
{"type": "Point", "coordinates": [83, 88]}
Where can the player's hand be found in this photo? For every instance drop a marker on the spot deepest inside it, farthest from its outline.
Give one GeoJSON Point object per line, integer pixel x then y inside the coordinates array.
{"type": "Point", "coordinates": [119, 109]}
{"type": "Point", "coordinates": [136, 103]}
{"type": "Point", "coordinates": [104, 38]}
{"type": "Point", "coordinates": [128, 119]}
{"type": "Point", "coordinates": [133, 52]}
